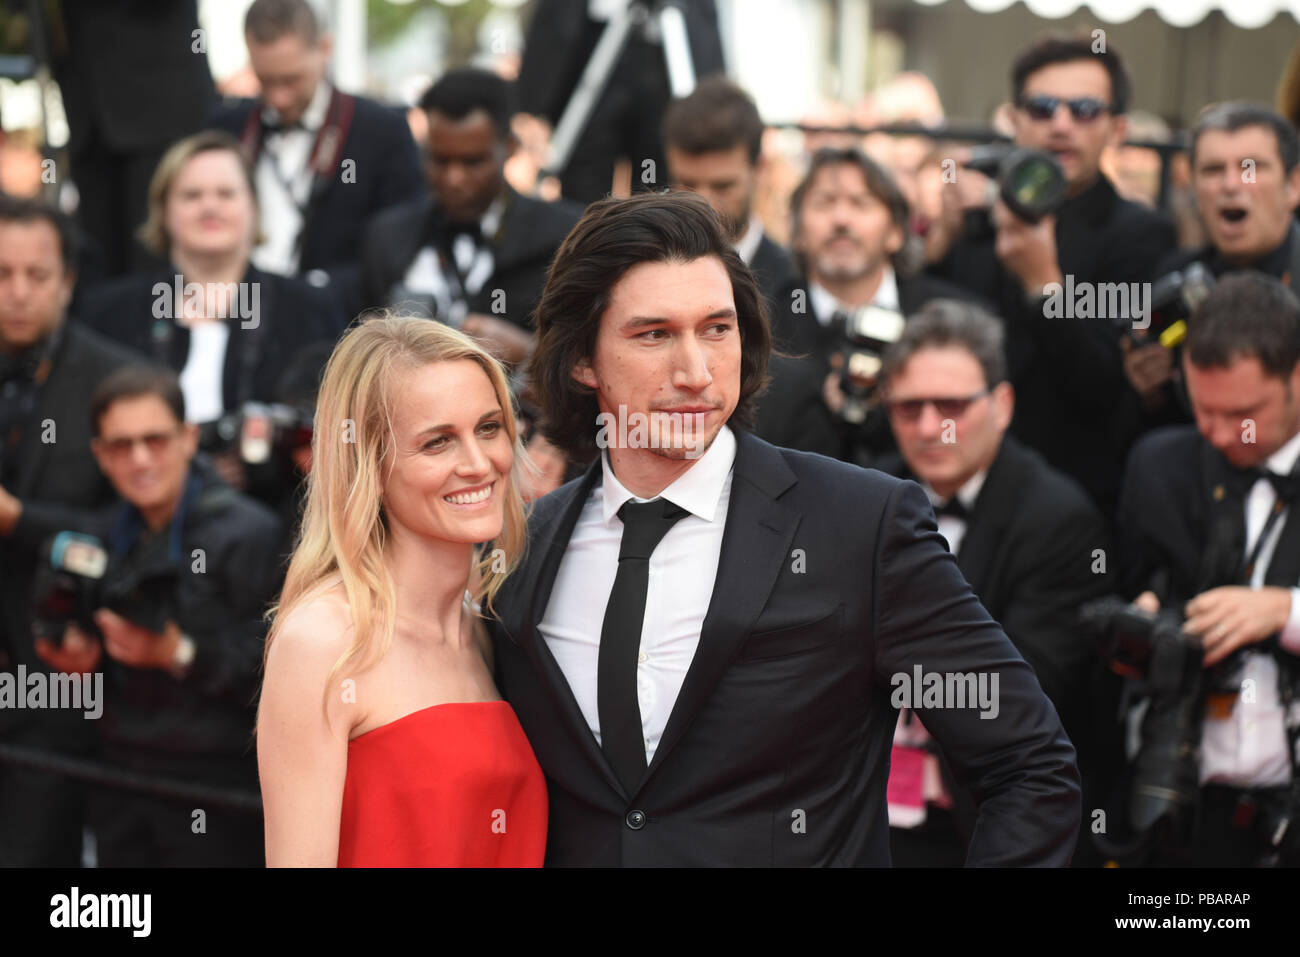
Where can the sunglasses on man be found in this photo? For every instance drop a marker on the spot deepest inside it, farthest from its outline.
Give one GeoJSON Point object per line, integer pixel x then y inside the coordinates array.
{"type": "Point", "coordinates": [1085, 109]}
{"type": "Point", "coordinates": [909, 410]}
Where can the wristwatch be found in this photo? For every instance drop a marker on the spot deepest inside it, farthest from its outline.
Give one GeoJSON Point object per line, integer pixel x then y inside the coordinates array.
{"type": "Point", "coordinates": [184, 657]}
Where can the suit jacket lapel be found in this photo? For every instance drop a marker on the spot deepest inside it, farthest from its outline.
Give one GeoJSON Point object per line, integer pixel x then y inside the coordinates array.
{"type": "Point", "coordinates": [533, 599]}
{"type": "Point", "coordinates": [755, 545]}
{"type": "Point", "coordinates": [995, 504]}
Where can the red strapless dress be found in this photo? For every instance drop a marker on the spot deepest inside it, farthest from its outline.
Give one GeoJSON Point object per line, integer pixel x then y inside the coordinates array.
{"type": "Point", "coordinates": [454, 785]}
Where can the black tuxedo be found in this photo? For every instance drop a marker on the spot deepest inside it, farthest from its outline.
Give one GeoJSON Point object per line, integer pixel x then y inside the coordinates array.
{"type": "Point", "coordinates": [387, 166]}
{"type": "Point", "coordinates": [792, 412]}
{"type": "Point", "coordinates": [525, 242]}
{"type": "Point", "coordinates": [1029, 553]}
{"type": "Point", "coordinates": [831, 579]}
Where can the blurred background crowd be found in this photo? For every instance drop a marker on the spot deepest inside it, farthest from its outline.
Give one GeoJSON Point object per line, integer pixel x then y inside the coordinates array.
{"type": "Point", "coordinates": [1035, 260]}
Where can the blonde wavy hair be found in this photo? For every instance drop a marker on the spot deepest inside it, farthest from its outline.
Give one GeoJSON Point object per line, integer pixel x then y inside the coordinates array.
{"type": "Point", "coordinates": [344, 528]}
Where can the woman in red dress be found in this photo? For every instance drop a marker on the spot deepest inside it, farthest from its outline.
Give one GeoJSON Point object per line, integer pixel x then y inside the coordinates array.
{"type": "Point", "coordinates": [382, 740]}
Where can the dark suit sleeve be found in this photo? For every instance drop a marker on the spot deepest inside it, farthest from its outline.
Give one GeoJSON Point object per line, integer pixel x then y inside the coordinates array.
{"type": "Point", "coordinates": [1013, 757]}
{"type": "Point", "coordinates": [228, 654]}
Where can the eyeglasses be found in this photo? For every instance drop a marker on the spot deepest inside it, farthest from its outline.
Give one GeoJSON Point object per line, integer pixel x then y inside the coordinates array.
{"type": "Point", "coordinates": [154, 442]}
{"type": "Point", "coordinates": [909, 410]}
{"type": "Point", "coordinates": [1085, 109]}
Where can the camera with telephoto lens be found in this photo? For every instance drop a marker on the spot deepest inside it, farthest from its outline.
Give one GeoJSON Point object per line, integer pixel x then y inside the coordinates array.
{"type": "Point", "coordinates": [76, 576]}
{"type": "Point", "coordinates": [1173, 300]}
{"type": "Point", "coordinates": [264, 436]}
{"type": "Point", "coordinates": [868, 332]}
{"type": "Point", "coordinates": [1153, 649]}
{"type": "Point", "coordinates": [1030, 182]}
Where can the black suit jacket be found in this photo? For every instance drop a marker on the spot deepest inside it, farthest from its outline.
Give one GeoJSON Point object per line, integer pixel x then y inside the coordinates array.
{"type": "Point", "coordinates": [831, 579]}
{"type": "Point", "coordinates": [387, 173]}
{"type": "Point", "coordinates": [292, 314]}
{"type": "Point", "coordinates": [774, 270]}
{"type": "Point", "coordinates": [530, 232]}
{"type": "Point", "coordinates": [1029, 552]}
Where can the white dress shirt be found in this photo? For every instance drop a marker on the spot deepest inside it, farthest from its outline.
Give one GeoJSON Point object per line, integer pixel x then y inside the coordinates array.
{"type": "Point", "coordinates": [1248, 749]}
{"type": "Point", "coordinates": [682, 572]}
{"type": "Point", "coordinates": [952, 528]}
{"type": "Point", "coordinates": [824, 304]}
{"type": "Point", "coordinates": [201, 379]}
{"type": "Point", "coordinates": [427, 278]}
{"type": "Point", "coordinates": [284, 184]}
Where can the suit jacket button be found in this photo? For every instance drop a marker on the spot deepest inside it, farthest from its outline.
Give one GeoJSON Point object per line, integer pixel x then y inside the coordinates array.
{"type": "Point", "coordinates": [635, 820]}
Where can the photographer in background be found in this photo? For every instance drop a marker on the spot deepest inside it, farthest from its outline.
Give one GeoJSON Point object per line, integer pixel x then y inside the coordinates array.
{"type": "Point", "coordinates": [1209, 530]}
{"type": "Point", "coordinates": [1069, 100]}
{"type": "Point", "coordinates": [1245, 162]}
{"type": "Point", "coordinates": [850, 229]}
{"type": "Point", "coordinates": [48, 368]}
{"type": "Point", "coordinates": [178, 698]}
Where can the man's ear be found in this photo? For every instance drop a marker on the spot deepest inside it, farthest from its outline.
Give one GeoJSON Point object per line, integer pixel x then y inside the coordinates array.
{"type": "Point", "coordinates": [1118, 131]}
{"type": "Point", "coordinates": [584, 374]}
{"type": "Point", "coordinates": [1291, 189]}
{"type": "Point", "coordinates": [326, 45]}
{"type": "Point", "coordinates": [894, 241]}
{"type": "Point", "coordinates": [1004, 401]}
{"type": "Point", "coordinates": [190, 438]}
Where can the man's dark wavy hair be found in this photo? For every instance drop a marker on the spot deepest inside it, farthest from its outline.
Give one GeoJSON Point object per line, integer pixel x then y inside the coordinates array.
{"type": "Point", "coordinates": [613, 236]}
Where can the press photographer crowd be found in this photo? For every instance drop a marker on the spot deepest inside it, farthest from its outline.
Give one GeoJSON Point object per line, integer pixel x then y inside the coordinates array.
{"type": "Point", "coordinates": [1096, 388]}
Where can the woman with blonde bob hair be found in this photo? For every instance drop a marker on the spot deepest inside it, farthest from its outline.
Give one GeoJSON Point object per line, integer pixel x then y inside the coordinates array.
{"type": "Point", "coordinates": [382, 740]}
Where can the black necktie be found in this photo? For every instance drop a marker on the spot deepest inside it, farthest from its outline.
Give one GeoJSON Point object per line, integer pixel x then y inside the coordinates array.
{"type": "Point", "coordinates": [954, 508]}
{"type": "Point", "coordinates": [617, 703]}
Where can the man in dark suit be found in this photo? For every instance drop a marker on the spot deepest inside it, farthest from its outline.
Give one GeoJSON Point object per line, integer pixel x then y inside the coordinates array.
{"type": "Point", "coordinates": [714, 142]}
{"type": "Point", "coordinates": [731, 704]}
{"type": "Point", "coordinates": [1070, 100]}
{"type": "Point", "coordinates": [1026, 537]}
{"type": "Point", "coordinates": [1245, 162]}
{"type": "Point", "coordinates": [475, 253]}
{"type": "Point", "coordinates": [1209, 530]}
{"type": "Point", "coordinates": [628, 111]}
{"type": "Point", "coordinates": [325, 161]}
{"type": "Point", "coordinates": [48, 369]}
{"type": "Point", "coordinates": [851, 241]}
{"type": "Point", "coordinates": [134, 78]}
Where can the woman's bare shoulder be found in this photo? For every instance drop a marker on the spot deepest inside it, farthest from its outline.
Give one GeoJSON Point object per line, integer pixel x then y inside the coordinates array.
{"type": "Point", "coordinates": [316, 631]}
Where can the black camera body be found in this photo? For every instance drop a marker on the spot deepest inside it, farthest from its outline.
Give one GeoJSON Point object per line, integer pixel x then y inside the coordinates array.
{"type": "Point", "coordinates": [1030, 182]}
{"type": "Point", "coordinates": [76, 576]}
{"type": "Point", "coordinates": [868, 332]}
{"type": "Point", "coordinates": [1173, 300]}
{"type": "Point", "coordinates": [1153, 649]}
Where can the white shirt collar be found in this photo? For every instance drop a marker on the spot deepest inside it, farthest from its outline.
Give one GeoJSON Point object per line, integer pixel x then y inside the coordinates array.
{"type": "Point", "coordinates": [698, 489]}
{"type": "Point", "coordinates": [747, 245]}
{"type": "Point", "coordinates": [313, 118]}
{"type": "Point", "coordinates": [824, 304]}
{"type": "Point", "coordinates": [1283, 460]}
{"type": "Point", "coordinates": [967, 494]}
{"type": "Point", "coordinates": [491, 219]}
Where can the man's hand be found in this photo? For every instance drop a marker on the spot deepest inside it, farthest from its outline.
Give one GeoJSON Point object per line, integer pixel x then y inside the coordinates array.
{"type": "Point", "coordinates": [1028, 251]}
{"type": "Point", "coordinates": [1148, 367]}
{"type": "Point", "coordinates": [503, 339]}
{"type": "Point", "coordinates": [10, 510]}
{"type": "Point", "coordinates": [136, 646]}
{"type": "Point", "coordinates": [78, 654]}
{"type": "Point", "coordinates": [1234, 616]}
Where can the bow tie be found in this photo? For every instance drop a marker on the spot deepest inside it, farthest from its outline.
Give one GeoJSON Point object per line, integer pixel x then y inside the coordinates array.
{"type": "Point", "coordinates": [269, 127]}
{"type": "Point", "coordinates": [1286, 487]}
{"type": "Point", "coordinates": [954, 508]}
